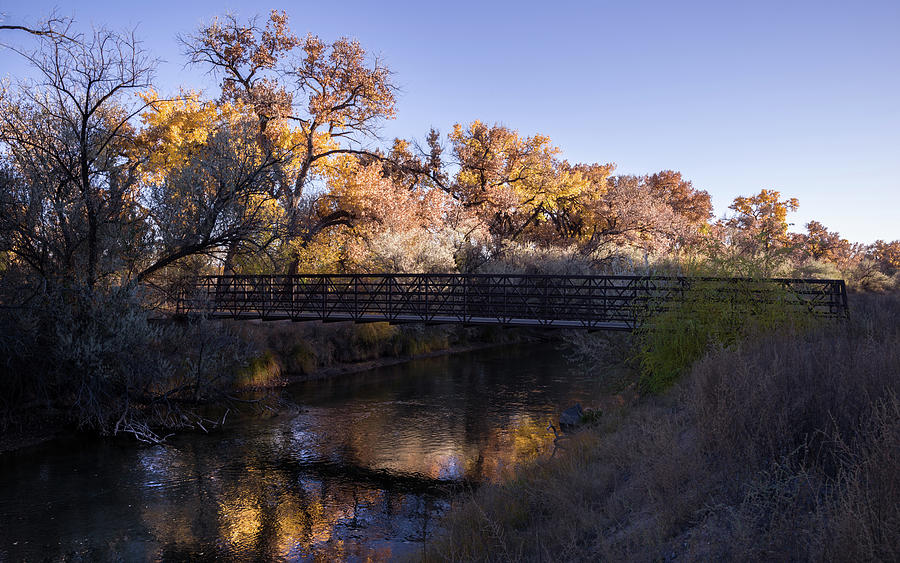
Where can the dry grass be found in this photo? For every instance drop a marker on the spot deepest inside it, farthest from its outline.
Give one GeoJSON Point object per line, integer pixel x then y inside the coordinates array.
{"type": "Point", "coordinates": [784, 447]}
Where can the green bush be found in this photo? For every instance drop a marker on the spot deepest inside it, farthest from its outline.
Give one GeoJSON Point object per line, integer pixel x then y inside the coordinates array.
{"type": "Point", "coordinates": [712, 313]}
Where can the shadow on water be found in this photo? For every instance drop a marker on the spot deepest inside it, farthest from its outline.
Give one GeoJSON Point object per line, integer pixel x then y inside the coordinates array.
{"type": "Point", "coordinates": [363, 471]}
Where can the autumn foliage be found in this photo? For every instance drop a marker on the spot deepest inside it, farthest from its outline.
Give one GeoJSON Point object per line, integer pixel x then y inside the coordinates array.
{"type": "Point", "coordinates": [104, 180]}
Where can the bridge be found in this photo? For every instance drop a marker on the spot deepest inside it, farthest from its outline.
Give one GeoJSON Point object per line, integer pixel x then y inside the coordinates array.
{"type": "Point", "coordinates": [548, 301]}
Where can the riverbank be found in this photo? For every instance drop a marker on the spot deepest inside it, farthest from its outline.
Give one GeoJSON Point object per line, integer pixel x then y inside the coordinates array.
{"type": "Point", "coordinates": [359, 367]}
{"type": "Point", "coordinates": [784, 446]}
{"type": "Point", "coordinates": [277, 345]}
{"type": "Point", "coordinates": [21, 435]}
{"type": "Point", "coordinates": [288, 352]}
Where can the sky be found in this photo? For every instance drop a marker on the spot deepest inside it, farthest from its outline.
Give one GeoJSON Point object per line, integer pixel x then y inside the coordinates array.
{"type": "Point", "coordinates": [801, 97]}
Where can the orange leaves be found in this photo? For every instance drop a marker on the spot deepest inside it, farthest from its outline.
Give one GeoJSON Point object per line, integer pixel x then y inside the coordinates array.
{"type": "Point", "coordinates": [886, 255]}
{"type": "Point", "coordinates": [377, 203]}
{"type": "Point", "coordinates": [822, 244]}
{"type": "Point", "coordinates": [391, 225]}
{"type": "Point", "coordinates": [693, 205]}
{"type": "Point", "coordinates": [342, 89]}
{"type": "Point", "coordinates": [762, 219]}
{"type": "Point", "coordinates": [243, 52]}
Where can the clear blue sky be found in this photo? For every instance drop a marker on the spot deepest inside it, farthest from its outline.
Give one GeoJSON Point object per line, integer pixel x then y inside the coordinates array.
{"type": "Point", "coordinates": [802, 97]}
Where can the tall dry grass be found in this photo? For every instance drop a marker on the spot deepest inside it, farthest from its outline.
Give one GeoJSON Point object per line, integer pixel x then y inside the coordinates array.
{"type": "Point", "coordinates": [784, 446]}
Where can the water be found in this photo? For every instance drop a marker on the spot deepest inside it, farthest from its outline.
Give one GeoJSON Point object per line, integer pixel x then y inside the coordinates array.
{"type": "Point", "coordinates": [363, 468]}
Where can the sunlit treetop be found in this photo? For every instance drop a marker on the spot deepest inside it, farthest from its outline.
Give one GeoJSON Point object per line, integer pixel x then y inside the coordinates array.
{"type": "Point", "coordinates": [764, 216]}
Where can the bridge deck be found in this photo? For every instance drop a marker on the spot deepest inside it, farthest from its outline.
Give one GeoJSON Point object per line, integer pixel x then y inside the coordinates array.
{"type": "Point", "coordinates": [551, 301]}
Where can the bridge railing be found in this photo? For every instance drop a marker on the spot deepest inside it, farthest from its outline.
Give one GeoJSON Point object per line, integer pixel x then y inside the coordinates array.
{"type": "Point", "coordinates": [509, 299]}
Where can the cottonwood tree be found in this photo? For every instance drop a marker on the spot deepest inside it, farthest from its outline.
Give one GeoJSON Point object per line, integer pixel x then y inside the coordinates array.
{"type": "Point", "coordinates": [208, 181]}
{"type": "Point", "coordinates": [631, 212]}
{"type": "Point", "coordinates": [761, 220]}
{"type": "Point", "coordinates": [509, 181]}
{"type": "Point", "coordinates": [688, 202]}
{"type": "Point", "coordinates": [821, 244]}
{"type": "Point", "coordinates": [218, 199]}
{"type": "Point", "coordinates": [521, 191]}
{"type": "Point", "coordinates": [886, 255]}
{"type": "Point", "coordinates": [87, 197]}
{"type": "Point", "coordinates": [326, 98]}
{"type": "Point", "coordinates": [396, 227]}
{"type": "Point", "coordinates": [755, 240]}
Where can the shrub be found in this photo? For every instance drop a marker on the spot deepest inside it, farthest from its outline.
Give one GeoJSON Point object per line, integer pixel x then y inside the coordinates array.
{"type": "Point", "coordinates": [875, 282]}
{"type": "Point", "coordinates": [261, 371]}
{"type": "Point", "coordinates": [301, 358]}
{"type": "Point", "coordinates": [709, 314]}
{"type": "Point", "coordinates": [95, 355]}
{"type": "Point", "coordinates": [532, 259]}
{"type": "Point", "coordinates": [819, 270]}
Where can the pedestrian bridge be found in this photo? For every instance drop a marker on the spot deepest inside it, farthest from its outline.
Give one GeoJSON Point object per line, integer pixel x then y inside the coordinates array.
{"type": "Point", "coordinates": [549, 301]}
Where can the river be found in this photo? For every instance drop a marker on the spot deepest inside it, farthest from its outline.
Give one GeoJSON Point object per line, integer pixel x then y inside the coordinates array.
{"type": "Point", "coordinates": [361, 466]}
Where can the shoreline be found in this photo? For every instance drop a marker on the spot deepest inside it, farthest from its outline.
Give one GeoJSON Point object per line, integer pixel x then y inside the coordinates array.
{"type": "Point", "coordinates": [359, 367]}
{"type": "Point", "coordinates": [18, 438]}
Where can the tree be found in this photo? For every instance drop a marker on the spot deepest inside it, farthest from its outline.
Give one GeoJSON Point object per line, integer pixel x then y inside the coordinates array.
{"type": "Point", "coordinates": [821, 244]}
{"type": "Point", "coordinates": [761, 220]}
{"type": "Point", "coordinates": [694, 205]}
{"type": "Point", "coordinates": [328, 102]}
{"type": "Point", "coordinates": [53, 26]}
{"type": "Point", "coordinates": [213, 146]}
{"type": "Point", "coordinates": [215, 201]}
{"type": "Point", "coordinates": [513, 183]}
{"type": "Point", "coordinates": [69, 195]}
{"type": "Point", "coordinates": [886, 255]}
{"type": "Point", "coordinates": [630, 212]}
{"type": "Point", "coordinates": [86, 197]}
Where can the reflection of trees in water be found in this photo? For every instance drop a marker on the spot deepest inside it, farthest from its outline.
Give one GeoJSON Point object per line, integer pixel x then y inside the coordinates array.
{"type": "Point", "coordinates": [449, 453]}
{"type": "Point", "coordinates": [284, 508]}
{"type": "Point", "coordinates": [444, 428]}
{"type": "Point", "coordinates": [290, 508]}
{"type": "Point", "coordinates": [364, 466]}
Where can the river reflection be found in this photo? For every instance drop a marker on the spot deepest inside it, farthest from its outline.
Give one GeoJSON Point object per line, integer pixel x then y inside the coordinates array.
{"type": "Point", "coordinates": [362, 471]}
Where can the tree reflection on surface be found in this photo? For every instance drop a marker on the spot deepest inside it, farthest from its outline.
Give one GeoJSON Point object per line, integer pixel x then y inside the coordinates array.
{"type": "Point", "coordinates": [362, 472]}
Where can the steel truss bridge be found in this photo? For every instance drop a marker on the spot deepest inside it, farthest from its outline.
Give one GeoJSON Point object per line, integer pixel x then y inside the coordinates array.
{"type": "Point", "coordinates": [550, 301]}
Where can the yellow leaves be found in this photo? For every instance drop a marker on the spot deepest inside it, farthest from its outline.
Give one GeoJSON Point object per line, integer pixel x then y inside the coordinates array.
{"type": "Point", "coordinates": [174, 129]}
{"type": "Point", "coordinates": [765, 204]}
{"type": "Point", "coordinates": [177, 130]}
{"type": "Point", "coordinates": [515, 182]}
{"type": "Point", "coordinates": [761, 220]}
{"type": "Point", "coordinates": [325, 254]}
{"type": "Point", "coordinates": [765, 211]}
